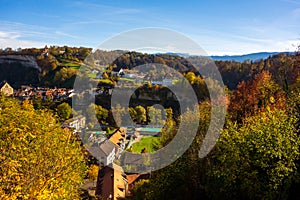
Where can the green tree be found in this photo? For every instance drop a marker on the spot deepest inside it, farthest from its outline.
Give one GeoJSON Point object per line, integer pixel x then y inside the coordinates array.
{"type": "Point", "coordinates": [64, 111]}
{"type": "Point", "coordinates": [96, 114]}
{"type": "Point", "coordinates": [63, 75]}
{"type": "Point", "coordinates": [140, 190]}
{"type": "Point", "coordinates": [132, 113]}
{"type": "Point", "coordinates": [155, 116]}
{"type": "Point", "coordinates": [256, 160]}
{"type": "Point", "coordinates": [140, 114]}
{"type": "Point", "coordinates": [38, 159]}
{"type": "Point", "coordinates": [101, 114]}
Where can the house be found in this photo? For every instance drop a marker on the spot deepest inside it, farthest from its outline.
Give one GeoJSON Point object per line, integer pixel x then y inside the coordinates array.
{"type": "Point", "coordinates": [105, 152]}
{"type": "Point", "coordinates": [111, 183]}
{"type": "Point", "coordinates": [167, 81]}
{"type": "Point", "coordinates": [119, 140]}
{"type": "Point", "coordinates": [96, 136]}
{"type": "Point", "coordinates": [121, 72]}
{"type": "Point", "coordinates": [77, 123]}
{"type": "Point", "coordinates": [6, 89]}
{"type": "Point", "coordinates": [46, 51]}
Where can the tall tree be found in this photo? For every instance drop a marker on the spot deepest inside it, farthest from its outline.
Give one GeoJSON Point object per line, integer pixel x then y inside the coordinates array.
{"type": "Point", "coordinates": [140, 114]}
{"type": "Point", "coordinates": [255, 95]}
{"type": "Point", "coordinates": [38, 159]}
{"type": "Point", "coordinates": [256, 160]}
{"type": "Point", "coordinates": [64, 111]}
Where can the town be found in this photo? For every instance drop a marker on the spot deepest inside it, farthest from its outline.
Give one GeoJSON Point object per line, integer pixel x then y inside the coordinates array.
{"type": "Point", "coordinates": [105, 147]}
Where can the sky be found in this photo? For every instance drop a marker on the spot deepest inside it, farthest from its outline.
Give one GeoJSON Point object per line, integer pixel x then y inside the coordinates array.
{"type": "Point", "coordinates": [231, 27]}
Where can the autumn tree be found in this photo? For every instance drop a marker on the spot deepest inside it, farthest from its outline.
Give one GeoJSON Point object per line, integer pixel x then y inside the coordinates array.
{"type": "Point", "coordinates": [256, 160]}
{"type": "Point", "coordinates": [255, 95]}
{"type": "Point", "coordinates": [38, 159]}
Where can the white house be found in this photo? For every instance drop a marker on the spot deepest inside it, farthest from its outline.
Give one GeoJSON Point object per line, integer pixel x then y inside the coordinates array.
{"type": "Point", "coordinates": [77, 123]}
{"type": "Point", "coordinates": [106, 152]}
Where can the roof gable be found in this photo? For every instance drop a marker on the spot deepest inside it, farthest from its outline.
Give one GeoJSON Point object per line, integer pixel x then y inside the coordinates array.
{"type": "Point", "coordinates": [107, 147]}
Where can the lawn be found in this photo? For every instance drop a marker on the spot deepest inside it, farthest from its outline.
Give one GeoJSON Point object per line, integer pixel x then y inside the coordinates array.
{"type": "Point", "coordinates": [127, 79]}
{"type": "Point", "coordinates": [70, 64]}
{"type": "Point", "coordinates": [105, 81]}
{"type": "Point", "coordinates": [151, 143]}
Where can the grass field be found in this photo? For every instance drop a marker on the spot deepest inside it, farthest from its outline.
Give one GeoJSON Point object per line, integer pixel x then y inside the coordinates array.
{"type": "Point", "coordinates": [127, 79]}
{"type": "Point", "coordinates": [107, 81]}
{"type": "Point", "coordinates": [149, 142]}
{"type": "Point", "coordinates": [70, 64]}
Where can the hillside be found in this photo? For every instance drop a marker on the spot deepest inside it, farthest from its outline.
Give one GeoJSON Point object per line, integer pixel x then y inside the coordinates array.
{"type": "Point", "coordinates": [58, 66]}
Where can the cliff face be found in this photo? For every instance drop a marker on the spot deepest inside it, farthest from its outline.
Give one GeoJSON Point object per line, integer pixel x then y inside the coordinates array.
{"type": "Point", "coordinates": [19, 70]}
{"type": "Point", "coordinates": [26, 61]}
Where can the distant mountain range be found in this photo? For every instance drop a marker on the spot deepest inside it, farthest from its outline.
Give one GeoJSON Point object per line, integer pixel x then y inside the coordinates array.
{"type": "Point", "coordinates": [251, 57]}
{"type": "Point", "coordinates": [236, 58]}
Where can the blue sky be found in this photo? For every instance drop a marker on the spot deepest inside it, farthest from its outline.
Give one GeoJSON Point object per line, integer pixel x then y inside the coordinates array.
{"type": "Point", "coordinates": [219, 27]}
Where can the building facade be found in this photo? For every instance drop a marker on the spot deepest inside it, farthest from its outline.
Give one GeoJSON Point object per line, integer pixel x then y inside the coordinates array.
{"type": "Point", "coordinates": [6, 89]}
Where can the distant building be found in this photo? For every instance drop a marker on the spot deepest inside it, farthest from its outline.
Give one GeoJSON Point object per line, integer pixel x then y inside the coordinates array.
{"type": "Point", "coordinates": [6, 89]}
{"type": "Point", "coordinates": [96, 136]}
{"type": "Point", "coordinates": [156, 82]}
{"type": "Point", "coordinates": [121, 72]}
{"type": "Point", "coordinates": [77, 123]}
{"type": "Point", "coordinates": [119, 140]}
{"type": "Point", "coordinates": [167, 82]}
{"type": "Point", "coordinates": [46, 51]}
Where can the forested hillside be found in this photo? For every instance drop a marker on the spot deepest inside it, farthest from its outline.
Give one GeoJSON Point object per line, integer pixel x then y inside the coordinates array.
{"type": "Point", "coordinates": [58, 66]}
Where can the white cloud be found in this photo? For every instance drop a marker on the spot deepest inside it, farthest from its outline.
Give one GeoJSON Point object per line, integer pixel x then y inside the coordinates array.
{"type": "Point", "coordinates": [14, 40]}
{"type": "Point", "coordinates": [16, 43]}
{"type": "Point", "coordinates": [239, 48]}
{"type": "Point", "coordinates": [9, 35]}
{"type": "Point", "coordinates": [15, 35]}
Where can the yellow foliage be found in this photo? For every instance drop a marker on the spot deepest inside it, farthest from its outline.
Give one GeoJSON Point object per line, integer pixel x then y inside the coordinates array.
{"type": "Point", "coordinates": [38, 159]}
{"type": "Point", "coordinates": [93, 172]}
